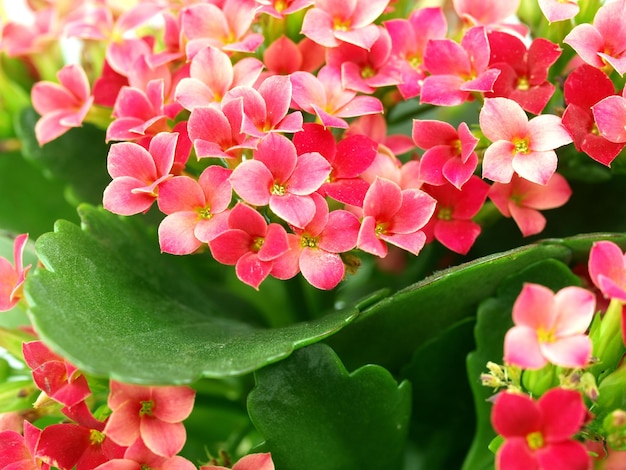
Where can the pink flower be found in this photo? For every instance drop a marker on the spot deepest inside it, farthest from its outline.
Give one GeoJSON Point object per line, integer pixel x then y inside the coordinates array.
{"type": "Point", "coordinates": [283, 56]}
{"type": "Point", "coordinates": [519, 145]}
{"type": "Point", "coordinates": [452, 223]}
{"type": "Point", "coordinates": [139, 457]}
{"type": "Point", "coordinates": [152, 414]}
{"type": "Point", "coordinates": [282, 8]}
{"type": "Point", "coordinates": [490, 13]}
{"type": "Point", "coordinates": [315, 250]}
{"type": "Point", "coordinates": [449, 156]}
{"type": "Point", "coordinates": [249, 462]}
{"type": "Point", "coordinates": [325, 97]}
{"type": "Point", "coordinates": [63, 105]}
{"type": "Point", "coordinates": [559, 10]}
{"type": "Point", "coordinates": [196, 210]}
{"type": "Point", "coordinates": [250, 244]}
{"type": "Point", "coordinates": [523, 71]}
{"type": "Point", "coordinates": [137, 173]}
{"type": "Point", "coordinates": [457, 70]}
{"type": "Point", "coordinates": [550, 327]}
{"type": "Point", "coordinates": [53, 375]}
{"type": "Point", "coordinates": [279, 177]}
{"type": "Point", "coordinates": [330, 22]}
{"type": "Point", "coordinates": [395, 216]}
{"type": "Point", "coordinates": [585, 87]}
{"type": "Point", "coordinates": [607, 269]}
{"type": "Point", "coordinates": [12, 276]}
{"type": "Point", "coordinates": [538, 434]}
{"type": "Point", "coordinates": [603, 42]}
{"type": "Point", "coordinates": [409, 38]}
{"type": "Point", "coordinates": [523, 199]}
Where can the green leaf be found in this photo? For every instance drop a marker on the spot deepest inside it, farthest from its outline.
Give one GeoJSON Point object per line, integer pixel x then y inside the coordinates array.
{"type": "Point", "coordinates": [443, 409]}
{"type": "Point", "coordinates": [493, 321]}
{"type": "Point", "coordinates": [77, 158]}
{"type": "Point", "coordinates": [114, 306]}
{"type": "Point", "coordinates": [313, 414]}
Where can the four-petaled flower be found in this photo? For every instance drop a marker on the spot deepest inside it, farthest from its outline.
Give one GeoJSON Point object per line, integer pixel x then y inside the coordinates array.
{"type": "Point", "coordinates": [539, 434]}
{"type": "Point", "coordinates": [607, 269]}
{"type": "Point", "coordinates": [550, 327]}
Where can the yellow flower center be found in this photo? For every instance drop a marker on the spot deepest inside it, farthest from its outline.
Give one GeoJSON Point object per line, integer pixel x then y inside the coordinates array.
{"type": "Point", "coordinates": [146, 408]}
{"type": "Point", "coordinates": [522, 84]}
{"type": "Point", "coordinates": [96, 437]}
{"type": "Point", "coordinates": [257, 243]}
{"type": "Point", "coordinates": [546, 336]}
{"type": "Point", "coordinates": [278, 189]}
{"type": "Point", "coordinates": [367, 72]}
{"type": "Point", "coordinates": [205, 213]}
{"type": "Point", "coordinates": [534, 440]}
{"type": "Point", "coordinates": [308, 242]}
{"type": "Point", "coordinates": [445, 213]}
{"type": "Point", "coordinates": [341, 25]}
{"type": "Point", "coordinates": [521, 145]}
{"type": "Point", "coordinates": [380, 229]}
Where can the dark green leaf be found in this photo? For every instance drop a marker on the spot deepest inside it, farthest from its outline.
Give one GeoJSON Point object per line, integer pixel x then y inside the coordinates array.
{"type": "Point", "coordinates": [110, 303]}
{"type": "Point", "coordinates": [314, 415]}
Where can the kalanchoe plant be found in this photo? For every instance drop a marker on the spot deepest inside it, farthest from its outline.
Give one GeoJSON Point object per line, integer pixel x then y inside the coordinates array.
{"type": "Point", "coordinates": [312, 234]}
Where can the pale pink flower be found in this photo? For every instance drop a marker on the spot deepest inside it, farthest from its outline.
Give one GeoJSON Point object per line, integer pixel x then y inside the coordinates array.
{"type": "Point", "coordinates": [490, 13]}
{"type": "Point", "coordinates": [279, 177]}
{"type": "Point", "coordinates": [457, 70]}
{"type": "Point", "coordinates": [250, 244]}
{"type": "Point", "coordinates": [409, 38]}
{"type": "Point", "coordinates": [450, 155]}
{"type": "Point", "coordinates": [559, 10]}
{"type": "Point", "coordinates": [396, 216]}
{"type": "Point", "coordinates": [137, 173]}
{"type": "Point", "coordinates": [550, 328]}
{"type": "Point", "coordinates": [196, 210]}
{"type": "Point", "coordinates": [227, 28]}
{"type": "Point", "coordinates": [12, 276]}
{"type": "Point", "coordinates": [19, 39]}
{"type": "Point", "coordinates": [325, 97]}
{"type": "Point", "coordinates": [282, 8]}
{"type": "Point", "coordinates": [519, 145]}
{"type": "Point", "coordinates": [603, 41]}
{"type": "Point", "coordinates": [539, 434]}
{"type": "Point", "coordinates": [610, 117]}
{"type": "Point", "coordinates": [332, 21]}
{"type": "Point", "coordinates": [523, 199]}
{"type": "Point", "coordinates": [607, 269]}
{"type": "Point", "coordinates": [63, 105]}
{"type": "Point", "coordinates": [249, 462]}
{"type": "Point", "coordinates": [212, 74]}
{"type": "Point", "coordinates": [153, 415]}
{"type": "Point", "coordinates": [315, 252]}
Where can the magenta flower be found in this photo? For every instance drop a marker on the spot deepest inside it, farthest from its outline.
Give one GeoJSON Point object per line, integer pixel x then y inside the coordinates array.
{"type": "Point", "coordinates": [519, 145]}
{"type": "Point", "coordinates": [330, 22]}
{"type": "Point", "coordinates": [538, 434]}
{"type": "Point", "coordinates": [349, 159]}
{"type": "Point", "coordinates": [250, 244]}
{"type": "Point", "coordinates": [392, 215]}
{"type": "Point", "coordinates": [550, 328]}
{"type": "Point", "coordinates": [585, 87]}
{"type": "Point", "coordinates": [196, 210]}
{"type": "Point", "coordinates": [249, 462]}
{"type": "Point", "coordinates": [63, 105]}
{"type": "Point", "coordinates": [523, 71]}
{"type": "Point", "coordinates": [325, 97]}
{"type": "Point", "coordinates": [54, 376]}
{"type": "Point", "coordinates": [559, 10]}
{"type": "Point", "coordinates": [279, 177]}
{"type": "Point", "coordinates": [449, 156]}
{"type": "Point", "coordinates": [603, 42]}
{"type": "Point", "coordinates": [137, 173]}
{"type": "Point", "coordinates": [607, 269]}
{"type": "Point", "coordinates": [315, 248]}
{"type": "Point", "coordinates": [153, 415]}
{"type": "Point", "coordinates": [375, 127]}
{"type": "Point", "coordinates": [523, 199]}
{"type": "Point", "coordinates": [17, 452]}
{"type": "Point", "coordinates": [211, 75]}
{"type": "Point", "coordinates": [409, 38]}
{"type": "Point", "coordinates": [12, 276]}
{"type": "Point", "coordinates": [457, 70]}
{"type": "Point", "coordinates": [452, 223]}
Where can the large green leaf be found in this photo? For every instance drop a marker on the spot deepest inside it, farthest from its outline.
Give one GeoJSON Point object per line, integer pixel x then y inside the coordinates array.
{"type": "Point", "coordinates": [314, 415]}
{"type": "Point", "coordinates": [493, 321]}
{"type": "Point", "coordinates": [114, 306]}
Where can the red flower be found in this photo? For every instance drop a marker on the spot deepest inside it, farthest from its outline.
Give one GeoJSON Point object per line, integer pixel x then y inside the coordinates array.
{"type": "Point", "coordinates": [538, 435]}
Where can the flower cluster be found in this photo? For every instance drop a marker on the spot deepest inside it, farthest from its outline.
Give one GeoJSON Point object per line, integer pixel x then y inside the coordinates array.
{"type": "Point", "coordinates": [270, 134]}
